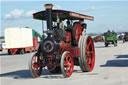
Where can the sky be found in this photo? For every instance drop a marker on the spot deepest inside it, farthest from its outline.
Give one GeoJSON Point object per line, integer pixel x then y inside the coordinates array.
{"type": "Point", "coordinates": [108, 14]}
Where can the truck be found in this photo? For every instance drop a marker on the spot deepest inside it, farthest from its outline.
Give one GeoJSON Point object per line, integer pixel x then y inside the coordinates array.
{"type": "Point", "coordinates": [20, 40]}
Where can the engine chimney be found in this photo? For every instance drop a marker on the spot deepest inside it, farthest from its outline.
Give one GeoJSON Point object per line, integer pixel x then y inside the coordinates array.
{"type": "Point", "coordinates": [48, 8]}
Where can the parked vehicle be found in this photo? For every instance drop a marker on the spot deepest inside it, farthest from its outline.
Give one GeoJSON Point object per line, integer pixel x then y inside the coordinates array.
{"type": "Point", "coordinates": [1, 47]}
{"type": "Point", "coordinates": [110, 38]}
{"type": "Point", "coordinates": [98, 39]}
{"type": "Point", "coordinates": [20, 40]}
{"type": "Point", "coordinates": [62, 49]}
{"type": "Point", "coordinates": [125, 38]}
{"type": "Point", "coordinates": [120, 37]}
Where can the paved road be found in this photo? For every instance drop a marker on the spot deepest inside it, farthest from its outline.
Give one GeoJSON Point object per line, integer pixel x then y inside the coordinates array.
{"type": "Point", "coordinates": [111, 68]}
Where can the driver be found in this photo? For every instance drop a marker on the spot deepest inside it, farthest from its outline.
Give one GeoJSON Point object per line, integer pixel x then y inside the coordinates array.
{"type": "Point", "coordinates": [69, 26]}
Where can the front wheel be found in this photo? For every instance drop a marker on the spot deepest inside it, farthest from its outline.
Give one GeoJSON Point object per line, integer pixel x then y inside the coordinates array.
{"type": "Point", "coordinates": [35, 66]}
{"type": "Point", "coordinates": [67, 64]}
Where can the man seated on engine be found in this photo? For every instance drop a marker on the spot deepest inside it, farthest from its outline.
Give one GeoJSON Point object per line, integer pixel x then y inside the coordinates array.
{"type": "Point", "coordinates": [69, 26]}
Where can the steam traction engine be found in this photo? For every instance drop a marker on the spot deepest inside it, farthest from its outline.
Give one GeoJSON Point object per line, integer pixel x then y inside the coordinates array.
{"type": "Point", "coordinates": [61, 50]}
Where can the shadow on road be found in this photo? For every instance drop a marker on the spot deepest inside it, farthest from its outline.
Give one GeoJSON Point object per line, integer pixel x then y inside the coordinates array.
{"type": "Point", "coordinates": [17, 74]}
{"type": "Point", "coordinates": [121, 56]}
{"type": "Point", "coordinates": [25, 74]}
{"type": "Point", "coordinates": [116, 63]}
{"type": "Point", "coordinates": [102, 47]}
{"type": "Point", "coordinates": [99, 46]}
{"type": "Point", "coordinates": [6, 54]}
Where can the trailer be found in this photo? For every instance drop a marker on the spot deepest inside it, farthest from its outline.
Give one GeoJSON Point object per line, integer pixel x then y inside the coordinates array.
{"type": "Point", "coordinates": [20, 40]}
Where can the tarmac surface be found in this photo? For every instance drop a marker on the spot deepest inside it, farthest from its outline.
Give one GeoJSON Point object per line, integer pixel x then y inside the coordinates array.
{"type": "Point", "coordinates": [111, 68]}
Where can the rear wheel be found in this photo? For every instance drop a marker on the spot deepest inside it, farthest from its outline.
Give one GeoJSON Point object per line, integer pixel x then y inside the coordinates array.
{"type": "Point", "coordinates": [67, 64]}
{"type": "Point", "coordinates": [80, 58]}
{"type": "Point", "coordinates": [87, 58]}
{"type": "Point", "coordinates": [35, 66]}
{"type": "Point", "coordinates": [88, 53]}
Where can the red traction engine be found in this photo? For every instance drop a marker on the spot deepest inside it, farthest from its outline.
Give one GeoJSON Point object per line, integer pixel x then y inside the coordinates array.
{"type": "Point", "coordinates": [62, 49]}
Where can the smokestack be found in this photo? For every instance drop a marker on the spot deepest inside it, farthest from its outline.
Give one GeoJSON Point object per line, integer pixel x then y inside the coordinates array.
{"type": "Point", "coordinates": [48, 8]}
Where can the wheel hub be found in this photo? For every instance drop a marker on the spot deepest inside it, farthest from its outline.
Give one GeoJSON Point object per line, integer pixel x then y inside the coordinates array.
{"type": "Point", "coordinates": [67, 64]}
{"type": "Point", "coordinates": [35, 65]}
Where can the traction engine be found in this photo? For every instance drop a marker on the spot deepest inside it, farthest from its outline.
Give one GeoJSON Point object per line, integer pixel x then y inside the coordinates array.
{"type": "Point", "coordinates": [61, 49]}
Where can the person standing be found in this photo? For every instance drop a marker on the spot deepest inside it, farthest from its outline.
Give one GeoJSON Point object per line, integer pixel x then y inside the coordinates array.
{"type": "Point", "coordinates": [81, 21]}
{"type": "Point", "coordinates": [83, 25]}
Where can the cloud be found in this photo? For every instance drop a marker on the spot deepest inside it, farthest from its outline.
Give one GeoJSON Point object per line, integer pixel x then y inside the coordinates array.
{"type": "Point", "coordinates": [29, 13]}
{"type": "Point", "coordinates": [18, 14]}
{"type": "Point", "coordinates": [87, 10]}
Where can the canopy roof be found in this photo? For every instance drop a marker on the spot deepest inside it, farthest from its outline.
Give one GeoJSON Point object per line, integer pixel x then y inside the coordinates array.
{"type": "Point", "coordinates": [62, 14]}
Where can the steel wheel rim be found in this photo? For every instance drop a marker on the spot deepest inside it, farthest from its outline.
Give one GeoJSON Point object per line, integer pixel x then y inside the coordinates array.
{"type": "Point", "coordinates": [90, 53]}
{"type": "Point", "coordinates": [36, 69]}
{"type": "Point", "coordinates": [68, 64]}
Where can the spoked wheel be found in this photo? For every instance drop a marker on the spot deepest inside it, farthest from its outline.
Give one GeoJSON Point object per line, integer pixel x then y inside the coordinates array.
{"type": "Point", "coordinates": [76, 33]}
{"type": "Point", "coordinates": [35, 66]}
{"type": "Point", "coordinates": [67, 64]}
{"type": "Point", "coordinates": [87, 55]}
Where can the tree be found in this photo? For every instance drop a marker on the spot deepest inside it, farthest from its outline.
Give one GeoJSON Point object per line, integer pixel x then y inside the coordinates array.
{"type": "Point", "coordinates": [1, 37]}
